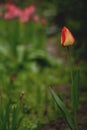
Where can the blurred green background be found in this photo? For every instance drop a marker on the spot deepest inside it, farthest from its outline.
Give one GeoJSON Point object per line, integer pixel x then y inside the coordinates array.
{"type": "Point", "coordinates": [32, 58]}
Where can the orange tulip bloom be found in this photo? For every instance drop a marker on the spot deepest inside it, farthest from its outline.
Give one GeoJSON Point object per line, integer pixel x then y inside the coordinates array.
{"type": "Point", "coordinates": [66, 37]}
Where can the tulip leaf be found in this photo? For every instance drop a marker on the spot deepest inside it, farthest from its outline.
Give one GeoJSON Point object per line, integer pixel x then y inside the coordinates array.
{"type": "Point", "coordinates": [63, 109]}
{"type": "Point", "coordinates": [75, 90]}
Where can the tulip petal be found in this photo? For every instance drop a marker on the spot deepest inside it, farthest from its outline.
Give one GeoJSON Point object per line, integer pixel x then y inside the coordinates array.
{"type": "Point", "coordinates": [66, 37]}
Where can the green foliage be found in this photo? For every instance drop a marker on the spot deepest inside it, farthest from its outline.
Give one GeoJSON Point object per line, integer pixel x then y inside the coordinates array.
{"type": "Point", "coordinates": [75, 90]}
{"type": "Point", "coordinates": [10, 116]}
{"type": "Point", "coordinates": [26, 67]}
{"type": "Point", "coordinates": [72, 120]}
{"type": "Point", "coordinates": [63, 109]}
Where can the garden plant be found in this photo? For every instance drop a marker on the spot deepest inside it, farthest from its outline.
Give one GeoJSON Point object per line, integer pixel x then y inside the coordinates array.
{"type": "Point", "coordinates": [30, 76]}
{"type": "Point", "coordinates": [67, 39]}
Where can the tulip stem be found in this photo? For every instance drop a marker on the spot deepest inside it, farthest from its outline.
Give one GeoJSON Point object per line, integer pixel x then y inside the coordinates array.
{"type": "Point", "coordinates": [74, 89]}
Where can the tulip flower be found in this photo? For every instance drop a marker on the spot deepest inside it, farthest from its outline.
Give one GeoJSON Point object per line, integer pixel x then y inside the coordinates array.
{"type": "Point", "coordinates": [66, 37]}
{"type": "Point", "coordinates": [12, 12]}
{"type": "Point", "coordinates": [27, 13]}
{"type": "Point", "coordinates": [24, 18]}
{"type": "Point", "coordinates": [10, 7]}
{"type": "Point", "coordinates": [8, 15]}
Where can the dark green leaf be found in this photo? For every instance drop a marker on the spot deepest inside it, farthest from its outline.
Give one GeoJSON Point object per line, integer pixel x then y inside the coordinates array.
{"type": "Point", "coordinates": [63, 109]}
{"type": "Point", "coordinates": [75, 90]}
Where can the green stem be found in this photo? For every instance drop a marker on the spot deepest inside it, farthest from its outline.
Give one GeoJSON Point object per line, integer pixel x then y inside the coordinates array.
{"type": "Point", "coordinates": [74, 90]}
{"type": "Point", "coordinates": [75, 120]}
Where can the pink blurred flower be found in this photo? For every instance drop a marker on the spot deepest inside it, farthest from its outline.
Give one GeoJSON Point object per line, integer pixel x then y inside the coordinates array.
{"type": "Point", "coordinates": [36, 18]}
{"type": "Point", "coordinates": [17, 12]}
{"type": "Point", "coordinates": [8, 15]}
{"type": "Point", "coordinates": [12, 12]}
{"type": "Point", "coordinates": [27, 13]}
{"type": "Point", "coordinates": [24, 18]}
{"type": "Point", "coordinates": [31, 9]}
{"type": "Point", "coordinates": [24, 15]}
{"type": "Point", "coordinates": [10, 7]}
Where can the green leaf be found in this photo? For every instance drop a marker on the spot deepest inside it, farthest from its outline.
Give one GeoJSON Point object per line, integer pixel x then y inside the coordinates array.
{"type": "Point", "coordinates": [63, 109]}
{"type": "Point", "coordinates": [75, 90]}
